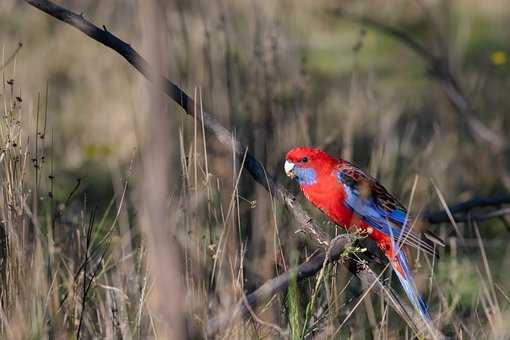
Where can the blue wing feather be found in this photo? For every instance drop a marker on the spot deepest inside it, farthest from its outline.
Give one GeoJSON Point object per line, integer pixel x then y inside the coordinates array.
{"type": "Point", "coordinates": [398, 215]}
{"type": "Point", "coordinates": [379, 209]}
{"type": "Point", "coordinates": [370, 211]}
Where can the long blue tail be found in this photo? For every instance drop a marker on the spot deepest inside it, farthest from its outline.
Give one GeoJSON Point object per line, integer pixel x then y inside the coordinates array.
{"type": "Point", "coordinates": [407, 282]}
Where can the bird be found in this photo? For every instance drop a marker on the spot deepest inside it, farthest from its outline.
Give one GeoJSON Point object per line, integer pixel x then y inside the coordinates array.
{"type": "Point", "coordinates": [357, 202]}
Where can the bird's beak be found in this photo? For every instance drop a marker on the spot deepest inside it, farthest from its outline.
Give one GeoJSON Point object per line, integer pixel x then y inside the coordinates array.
{"type": "Point", "coordinates": [289, 169]}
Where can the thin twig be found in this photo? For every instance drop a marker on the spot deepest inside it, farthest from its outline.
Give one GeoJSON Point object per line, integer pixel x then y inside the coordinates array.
{"type": "Point", "coordinates": [86, 285]}
{"type": "Point", "coordinates": [11, 57]}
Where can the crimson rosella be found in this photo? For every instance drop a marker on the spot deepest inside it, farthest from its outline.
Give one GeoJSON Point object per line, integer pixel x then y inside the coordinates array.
{"type": "Point", "coordinates": [354, 200]}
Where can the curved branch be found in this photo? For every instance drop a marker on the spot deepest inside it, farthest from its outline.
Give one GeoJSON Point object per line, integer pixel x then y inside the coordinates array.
{"type": "Point", "coordinates": [439, 68]}
{"type": "Point", "coordinates": [338, 251]}
{"type": "Point", "coordinates": [275, 285]}
{"type": "Point", "coordinates": [251, 164]}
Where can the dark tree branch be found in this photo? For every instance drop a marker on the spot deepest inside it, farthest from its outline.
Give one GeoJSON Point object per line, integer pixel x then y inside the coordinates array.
{"type": "Point", "coordinates": [464, 211]}
{"type": "Point", "coordinates": [276, 285]}
{"type": "Point", "coordinates": [338, 251]}
{"type": "Point", "coordinates": [251, 164]}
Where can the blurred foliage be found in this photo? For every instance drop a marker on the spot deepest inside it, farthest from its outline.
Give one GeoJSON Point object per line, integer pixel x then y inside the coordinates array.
{"type": "Point", "coordinates": [280, 74]}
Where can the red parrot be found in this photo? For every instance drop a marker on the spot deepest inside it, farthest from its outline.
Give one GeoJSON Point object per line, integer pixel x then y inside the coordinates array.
{"type": "Point", "coordinates": [354, 200]}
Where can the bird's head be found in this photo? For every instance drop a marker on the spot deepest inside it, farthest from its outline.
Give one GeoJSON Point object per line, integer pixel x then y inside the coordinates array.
{"type": "Point", "coordinates": [307, 164]}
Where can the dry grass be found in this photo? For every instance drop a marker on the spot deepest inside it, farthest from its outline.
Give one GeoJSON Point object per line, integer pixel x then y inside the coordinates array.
{"type": "Point", "coordinates": [121, 218]}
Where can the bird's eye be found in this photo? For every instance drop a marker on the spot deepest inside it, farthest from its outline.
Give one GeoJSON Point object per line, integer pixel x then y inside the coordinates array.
{"type": "Point", "coordinates": [304, 160]}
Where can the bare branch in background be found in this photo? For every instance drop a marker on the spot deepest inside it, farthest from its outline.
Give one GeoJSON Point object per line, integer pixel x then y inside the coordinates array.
{"type": "Point", "coordinates": [464, 211]}
{"type": "Point", "coordinates": [439, 68]}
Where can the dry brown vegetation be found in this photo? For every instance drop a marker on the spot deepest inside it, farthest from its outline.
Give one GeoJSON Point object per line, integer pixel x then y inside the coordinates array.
{"type": "Point", "coordinates": [121, 217]}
